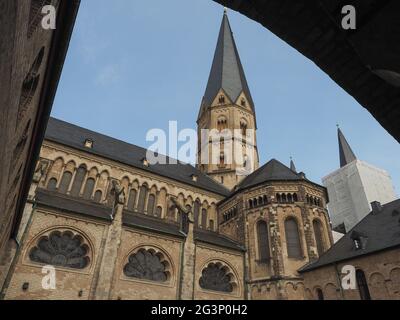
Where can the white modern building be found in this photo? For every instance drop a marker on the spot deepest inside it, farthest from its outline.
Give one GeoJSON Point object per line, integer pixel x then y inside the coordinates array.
{"type": "Point", "coordinates": [353, 187]}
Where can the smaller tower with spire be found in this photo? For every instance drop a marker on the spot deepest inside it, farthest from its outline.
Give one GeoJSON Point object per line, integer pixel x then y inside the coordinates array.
{"type": "Point", "coordinates": [353, 187]}
{"type": "Point", "coordinates": [346, 155]}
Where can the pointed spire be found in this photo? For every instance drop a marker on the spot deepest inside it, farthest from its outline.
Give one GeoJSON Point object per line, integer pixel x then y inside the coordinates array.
{"type": "Point", "coordinates": [226, 72]}
{"type": "Point", "coordinates": [346, 155]}
{"type": "Point", "coordinates": [292, 166]}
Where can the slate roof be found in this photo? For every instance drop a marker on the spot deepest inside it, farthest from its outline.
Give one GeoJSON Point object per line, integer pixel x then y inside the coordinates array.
{"type": "Point", "coordinates": [68, 204]}
{"type": "Point", "coordinates": [92, 209]}
{"type": "Point", "coordinates": [346, 154]}
{"type": "Point", "coordinates": [227, 71]}
{"type": "Point", "coordinates": [141, 221]}
{"type": "Point", "coordinates": [74, 136]}
{"type": "Point", "coordinates": [379, 231]}
{"type": "Point", "coordinates": [272, 170]}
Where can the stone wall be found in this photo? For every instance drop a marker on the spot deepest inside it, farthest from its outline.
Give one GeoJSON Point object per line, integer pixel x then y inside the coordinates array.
{"type": "Point", "coordinates": [382, 271]}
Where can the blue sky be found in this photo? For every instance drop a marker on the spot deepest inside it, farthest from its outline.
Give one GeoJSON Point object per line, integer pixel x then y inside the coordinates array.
{"type": "Point", "coordinates": [135, 65]}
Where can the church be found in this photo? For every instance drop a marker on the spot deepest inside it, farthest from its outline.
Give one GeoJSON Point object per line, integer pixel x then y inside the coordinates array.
{"type": "Point", "coordinates": [114, 226]}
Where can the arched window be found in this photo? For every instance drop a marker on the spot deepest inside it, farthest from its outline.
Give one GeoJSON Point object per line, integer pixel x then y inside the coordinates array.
{"type": "Point", "coordinates": [221, 99]}
{"type": "Point", "coordinates": [148, 265]}
{"type": "Point", "coordinates": [52, 185]}
{"type": "Point", "coordinates": [222, 159]}
{"type": "Point", "coordinates": [142, 198]}
{"type": "Point", "coordinates": [97, 196]}
{"type": "Point", "coordinates": [89, 186]}
{"type": "Point", "coordinates": [132, 199]}
{"type": "Point", "coordinates": [211, 225]}
{"type": "Point", "coordinates": [320, 294]}
{"type": "Point", "coordinates": [63, 249]}
{"type": "Point", "coordinates": [265, 199]}
{"type": "Point", "coordinates": [150, 204]}
{"type": "Point", "coordinates": [255, 203]}
{"type": "Point", "coordinates": [292, 239]}
{"type": "Point", "coordinates": [295, 199]}
{"type": "Point", "coordinates": [243, 102]}
{"type": "Point", "coordinates": [159, 212]}
{"type": "Point", "coordinates": [78, 181]}
{"type": "Point", "coordinates": [263, 241]}
{"type": "Point", "coordinates": [196, 212]}
{"type": "Point", "coordinates": [217, 278]}
{"type": "Point", "coordinates": [222, 123]}
{"type": "Point", "coordinates": [260, 201]}
{"type": "Point", "coordinates": [283, 197]}
{"type": "Point", "coordinates": [278, 198]}
{"type": "Point", "coordinates": [250, 203]}
{"type": "Point", "coordinates": [319, 239]}
{"type": "Point", "coordinates": [65, 181]}
{"type": "Point", "coordinates": [289, 198]}
{"type": "Point", "coordinates": [362, 285]}
{"type": "Point", "coordinates": [204, 218]}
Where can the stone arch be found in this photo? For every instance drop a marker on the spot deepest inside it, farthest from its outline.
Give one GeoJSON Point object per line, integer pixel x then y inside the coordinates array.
{"type": "Point", "coordinates": [261, 231]}
{"type": "Point", "coordinates": [149, 262]}
{"type": "Point", "coordinates": [219, 276]}
{"type": "Point", "coordinates": [318, 293]}
{"type": "Point", "coordinates": [143, 193]}
{"type": "Point", "coordinates": [293, 236]}
{"type": "Point", "coordinates": [65, 181]}
{"type": "Point", "coordinates": [295, 291]}
{"type": "Point", "coordinates": [222, 122]}
{"type": "Point", "coordinates": [61, 246]}
{"type": "Point", "coordinates": [331, 292]}
{"type": "Point", "coordinates": [319, 235]}
{"type": "Point", "coordinates": [78, 180]}
{"type": "Point", "coordinates": [377, 286]}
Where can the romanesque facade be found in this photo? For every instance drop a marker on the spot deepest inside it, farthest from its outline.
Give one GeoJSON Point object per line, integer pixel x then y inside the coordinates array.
{"type": "Point", "coordinates": [108, 224]}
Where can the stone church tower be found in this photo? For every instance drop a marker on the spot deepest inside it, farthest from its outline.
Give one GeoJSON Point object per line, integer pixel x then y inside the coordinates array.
{"type": "Point", "coordinates": [228, 152]}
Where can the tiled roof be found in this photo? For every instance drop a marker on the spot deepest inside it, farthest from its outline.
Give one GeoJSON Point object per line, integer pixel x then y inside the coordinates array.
{"type": "Point", "coordinates": [378, 231]}
{"type": "Point", "coordinates": [73, 136]}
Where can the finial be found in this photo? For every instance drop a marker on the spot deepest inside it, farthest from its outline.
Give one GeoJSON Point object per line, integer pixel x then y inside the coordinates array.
{"type": "Point", "coordinates": [337, 125]}
{"type": "Point", "coordinates": [291, 158]}
{"type": "Point", "coordinates": [225, 10]}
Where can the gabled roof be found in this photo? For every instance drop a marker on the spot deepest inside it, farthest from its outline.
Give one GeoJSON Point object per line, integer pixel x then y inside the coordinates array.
{"type": "Point", "coordinates": [227, 71]}
{"type": "Point", "coordinates": [272, 170]}
{"type": "Point", "coordinates": [378, 230]}
{"type": "Point", "coordinates": [346, 155]}
{"type": "Point", "coordinates": [73, 136]}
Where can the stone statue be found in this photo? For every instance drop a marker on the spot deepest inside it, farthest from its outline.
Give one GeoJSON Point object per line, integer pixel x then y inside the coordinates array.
{"type": "Point", "coordinates": [185, 214]}
{"type": "Point", "coordinates": [39, 172]}
{"type": "Point", "coordinates": [183, 210]}
{"type": "Point", "coordinates": [119, 195]}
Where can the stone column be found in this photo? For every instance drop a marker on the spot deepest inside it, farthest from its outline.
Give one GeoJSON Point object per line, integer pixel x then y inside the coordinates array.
{"type": "Point", "coordinates": [188, 263]}
{"type": "Point", "coordinates": [111, 246]}
{"type": "Point", "coordinates": [188, 254]}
